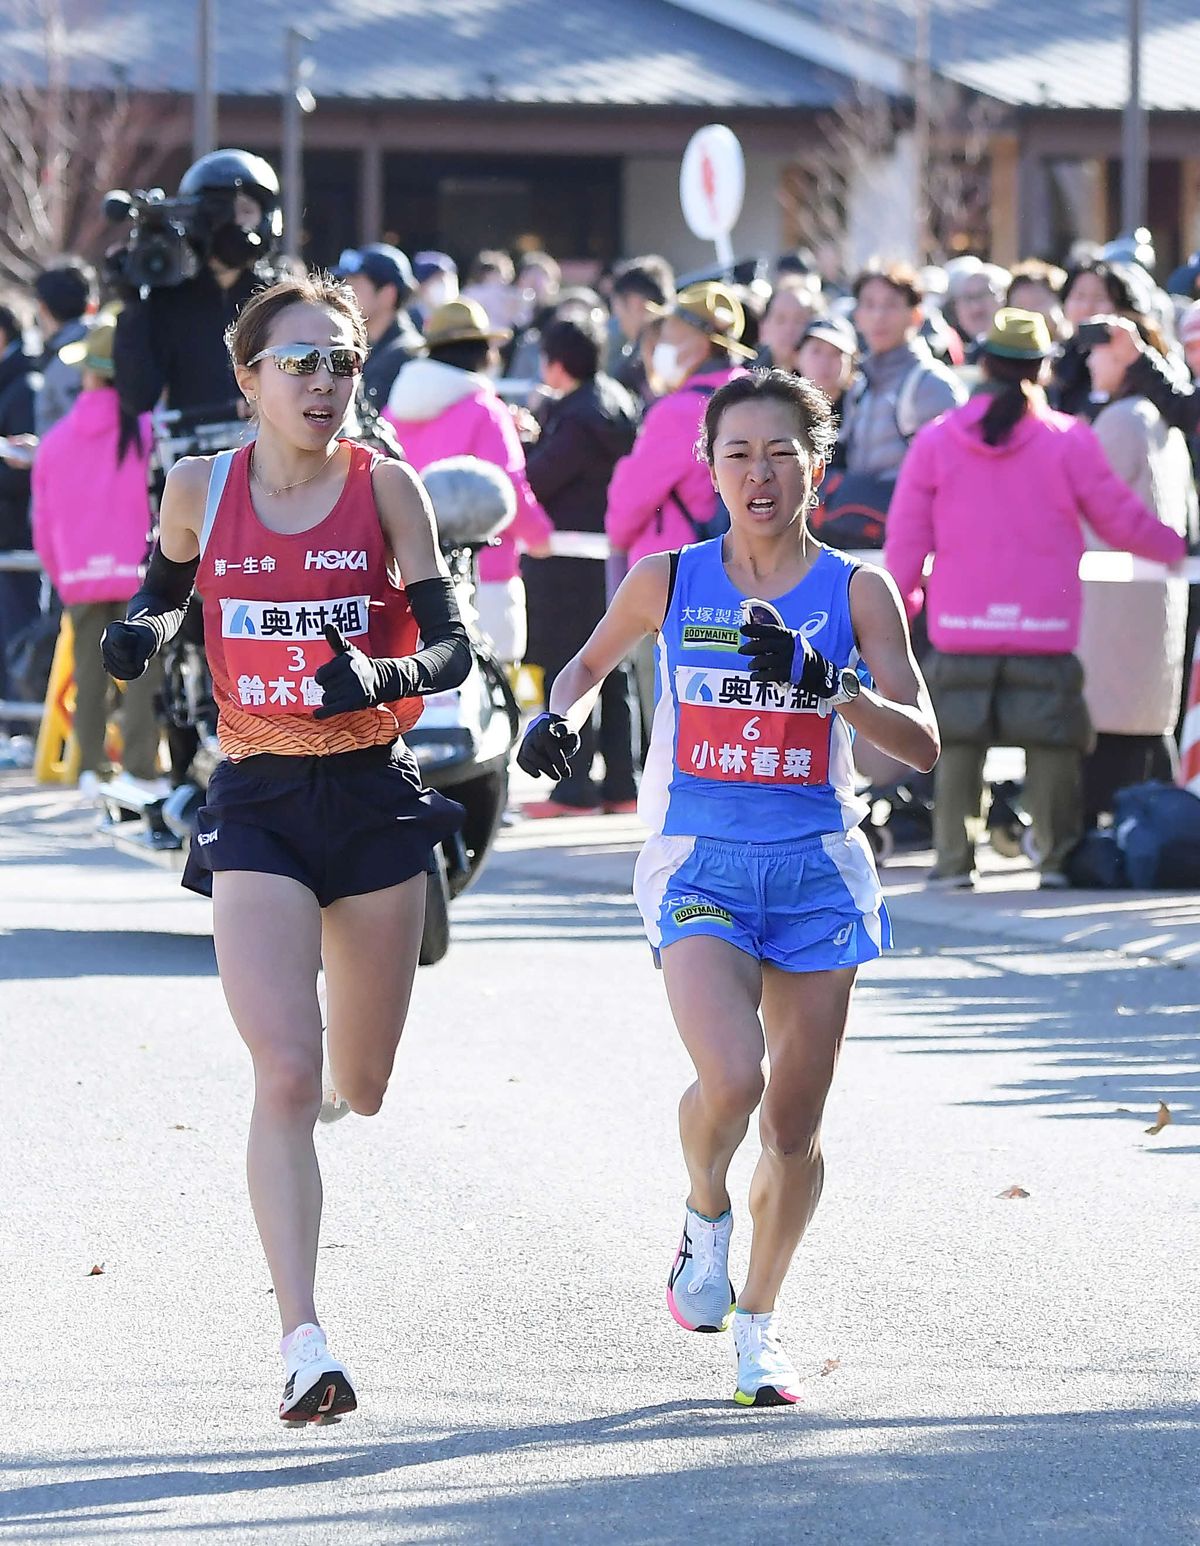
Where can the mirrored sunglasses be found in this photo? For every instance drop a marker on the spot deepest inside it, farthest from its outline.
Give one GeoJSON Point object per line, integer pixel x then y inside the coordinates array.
{"type": "Point", "coordinates": [305, 359]}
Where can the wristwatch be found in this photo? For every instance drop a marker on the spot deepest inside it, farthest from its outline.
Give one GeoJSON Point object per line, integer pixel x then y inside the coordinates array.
{"type": "Point", "coordinates": [849, 687]}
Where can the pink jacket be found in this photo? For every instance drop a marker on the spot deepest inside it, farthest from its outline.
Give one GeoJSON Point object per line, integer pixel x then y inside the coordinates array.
{"type": "Point", "coordinates": [91, 515]}
{"type": "Point", "coordinates": [642, 518]}
{"type": "Point", "coordinates": [439, 410]}
{"type": "Point", "coordinates": [1005, 527]}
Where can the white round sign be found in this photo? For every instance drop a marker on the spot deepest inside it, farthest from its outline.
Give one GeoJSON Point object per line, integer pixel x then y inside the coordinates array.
{"type": "Point", "coordinates": [712, 182]}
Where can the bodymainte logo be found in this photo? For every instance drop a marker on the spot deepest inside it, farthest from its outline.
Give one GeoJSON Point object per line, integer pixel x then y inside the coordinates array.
{"type": "Point", "coordinates": [335, 558]}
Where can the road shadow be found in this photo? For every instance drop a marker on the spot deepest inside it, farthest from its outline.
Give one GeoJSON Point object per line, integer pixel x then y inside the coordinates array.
{"type": "Point", "coordinates": [1095, 1478]}
{"type": "Point", "coordinates": [1107, 1034]}
{"type": "Point", "coordinates": [35, 955]}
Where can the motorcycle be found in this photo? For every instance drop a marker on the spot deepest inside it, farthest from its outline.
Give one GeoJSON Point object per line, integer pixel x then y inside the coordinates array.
{"type": "Point", "coordinates": [462, 742]}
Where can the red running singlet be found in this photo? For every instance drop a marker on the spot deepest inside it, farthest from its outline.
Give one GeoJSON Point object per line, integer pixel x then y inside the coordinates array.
{"type": "Point", "coordinates": [267, 597]}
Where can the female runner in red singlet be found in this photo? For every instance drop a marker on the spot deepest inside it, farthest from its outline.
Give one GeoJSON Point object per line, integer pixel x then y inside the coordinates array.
{"type": "Point", "coordinates": [317, 836]}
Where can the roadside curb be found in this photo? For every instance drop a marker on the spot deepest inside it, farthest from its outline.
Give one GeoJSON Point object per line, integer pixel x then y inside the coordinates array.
{"type": "Point", "coordinates": [1152, 926]}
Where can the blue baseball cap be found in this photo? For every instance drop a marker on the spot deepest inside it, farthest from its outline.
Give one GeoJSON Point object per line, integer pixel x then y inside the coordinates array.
{"type": "Point", "coordinates": [381, 264]}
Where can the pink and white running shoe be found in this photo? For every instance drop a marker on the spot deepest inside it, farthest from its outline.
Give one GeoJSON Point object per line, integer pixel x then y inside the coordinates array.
{"type": "Point", "coordinates": [699, 1293]}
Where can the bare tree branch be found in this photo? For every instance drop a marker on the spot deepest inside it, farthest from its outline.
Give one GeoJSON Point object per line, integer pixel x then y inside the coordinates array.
{"type": "Point", "coordinates": [62, 146]}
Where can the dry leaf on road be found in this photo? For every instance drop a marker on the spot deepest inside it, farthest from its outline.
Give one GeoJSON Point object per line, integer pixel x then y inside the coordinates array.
{"type": "Point", "coordinates": [97, 1271]}
{"type": "Point", "coordinates": [830, 1365]}
{"type": "Point", "coordinates": [1164, 1116]}
{"type": "Point", "coordinates": [1013, 1191]}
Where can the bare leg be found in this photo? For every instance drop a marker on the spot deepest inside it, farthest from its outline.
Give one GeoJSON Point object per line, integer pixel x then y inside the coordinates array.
{"type": "Point", "coordinates": [268, 938]}
{"type": "Point", "coordinates": [805, 1019]}
{"type": "Point", "coordinates": [714, 992]}
{"type": "Point", "coordinates": [370, 945]}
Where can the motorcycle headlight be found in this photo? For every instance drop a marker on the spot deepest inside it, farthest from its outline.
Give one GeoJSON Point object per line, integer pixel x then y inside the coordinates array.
{"type": "Point", "coordinates": [430, 754]}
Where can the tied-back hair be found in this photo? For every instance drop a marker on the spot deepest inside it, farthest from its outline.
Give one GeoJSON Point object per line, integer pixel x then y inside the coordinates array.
{"type": "Point", "coordinates": [1016, 381]}
{"type": "Point", "coordinates": [129, 434]}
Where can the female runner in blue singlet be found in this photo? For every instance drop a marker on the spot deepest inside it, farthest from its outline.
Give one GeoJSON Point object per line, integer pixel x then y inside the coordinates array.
{"type": "Point", "coordinates": [757, 888]}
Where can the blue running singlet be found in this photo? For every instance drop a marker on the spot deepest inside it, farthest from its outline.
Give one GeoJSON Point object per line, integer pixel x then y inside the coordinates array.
{"type": "Point", "coordinates": [738, 760]}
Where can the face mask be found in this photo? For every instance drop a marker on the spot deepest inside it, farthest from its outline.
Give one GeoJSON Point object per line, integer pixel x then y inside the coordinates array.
{"type": "Point", "coordinates": [664, 362]}
{"type": "Point", "coordinates": [235, 247]}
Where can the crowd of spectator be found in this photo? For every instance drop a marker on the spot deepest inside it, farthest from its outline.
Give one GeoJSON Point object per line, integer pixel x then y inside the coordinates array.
{"type": "Point", "coordinates": [995, 419]}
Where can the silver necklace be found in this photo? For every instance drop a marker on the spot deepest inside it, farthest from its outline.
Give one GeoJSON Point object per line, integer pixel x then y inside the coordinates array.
{"type": "Point", "coordinates": [299, 483]}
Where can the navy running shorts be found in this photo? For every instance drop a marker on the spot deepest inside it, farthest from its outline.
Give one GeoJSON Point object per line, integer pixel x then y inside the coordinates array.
{"type": "Point", "coordinates": [341, 825]}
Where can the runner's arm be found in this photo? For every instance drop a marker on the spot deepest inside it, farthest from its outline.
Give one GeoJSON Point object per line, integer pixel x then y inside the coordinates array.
{"type": "Point", "coordinates": [897, 715]}
{"type": "Point", "coordinates": [353, 680]}
{"type": "Point", "coordinates": [155, 614]}
{"type": "Point", "coordinates": [636, 610]}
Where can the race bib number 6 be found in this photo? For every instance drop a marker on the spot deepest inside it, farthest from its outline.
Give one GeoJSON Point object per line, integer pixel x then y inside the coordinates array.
{"type": "Point", "coordinates": [738, 731]}
{"type": "Point", "coordinates": [273, 649]}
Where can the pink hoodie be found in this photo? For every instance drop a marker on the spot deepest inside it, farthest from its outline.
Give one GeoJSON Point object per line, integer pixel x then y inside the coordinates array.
{"type": "Point", "coordinates": [438, 411]}
{"type": "Point", "coordinates": [642, 518]}
{"type": "Point", "coordinates": [1005, 526]}
{"type": "Point", "coordinates": [91, 515]}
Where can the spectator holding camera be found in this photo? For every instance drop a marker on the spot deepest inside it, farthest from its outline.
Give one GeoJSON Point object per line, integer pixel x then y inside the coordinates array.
{"type": "Point", "coordinates": [1131, 641]}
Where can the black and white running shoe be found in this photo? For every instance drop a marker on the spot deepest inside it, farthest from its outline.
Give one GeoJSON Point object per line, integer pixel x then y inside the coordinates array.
{"type": "Point", "coordinates": [318, 1388]}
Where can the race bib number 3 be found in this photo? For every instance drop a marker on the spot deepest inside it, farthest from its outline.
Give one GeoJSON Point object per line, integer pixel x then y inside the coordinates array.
{"type": "Point", "coordinates": [737, 731]}
{"type": "Point", "coordinates": [273, 649]}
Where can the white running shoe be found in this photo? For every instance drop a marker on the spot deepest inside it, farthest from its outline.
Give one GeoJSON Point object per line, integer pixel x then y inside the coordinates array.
{"type": "Point", "coordinates": [318, 1388]}
{"type": "Point", "coordinates": [699, 1293]}
{"type": "Point", "coordinates": [766, 1375]}
{"type": "Point", "coordinates": [333, 1107]}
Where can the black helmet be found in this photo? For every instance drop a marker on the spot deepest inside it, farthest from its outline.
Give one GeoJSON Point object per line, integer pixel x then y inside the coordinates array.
{"type": "Point", "coordinates": [220, 176]}
{"type": "Point", "coordinates": [234, 169]}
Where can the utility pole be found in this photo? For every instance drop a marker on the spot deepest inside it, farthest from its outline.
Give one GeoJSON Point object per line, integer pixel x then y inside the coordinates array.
{"type": "Point", "coordinates": [204, 101]}
{"type": "Point", "coordinates": [922, 93]}
{"type": "Point", "coordinates": [297, 100]}
{"type": "Point", "coordinates": [1133, 132]}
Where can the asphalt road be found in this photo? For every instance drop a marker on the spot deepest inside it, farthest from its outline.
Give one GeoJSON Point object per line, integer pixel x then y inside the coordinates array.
{"type": "Point", "coordinates": [984, 1369]}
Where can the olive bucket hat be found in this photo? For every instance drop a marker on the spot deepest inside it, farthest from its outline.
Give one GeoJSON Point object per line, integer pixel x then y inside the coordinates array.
{"type": "Point", "coordinates": [715, 310]}
{"type": "Point", "coordinates": [1018, 335]}
{"type": "Point", "coordinates": [94, 351]}
{"type": "Point", "coordinates": [460, 322]}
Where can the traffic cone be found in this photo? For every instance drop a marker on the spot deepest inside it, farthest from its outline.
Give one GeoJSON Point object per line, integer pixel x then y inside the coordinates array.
{"type": "Point", "coordinates": [1189, 743]}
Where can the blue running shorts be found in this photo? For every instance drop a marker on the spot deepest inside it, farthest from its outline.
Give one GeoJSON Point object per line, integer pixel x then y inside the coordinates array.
{"type": "Point", "coordinates": [806, 906]}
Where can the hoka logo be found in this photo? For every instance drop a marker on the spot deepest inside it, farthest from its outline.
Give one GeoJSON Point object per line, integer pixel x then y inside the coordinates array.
{"type": "Point", "coordinates": [334, 558]}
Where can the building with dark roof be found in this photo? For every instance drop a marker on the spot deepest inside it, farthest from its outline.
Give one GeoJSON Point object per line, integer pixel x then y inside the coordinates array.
{"type": "Point", "coordinates": [458, 124]}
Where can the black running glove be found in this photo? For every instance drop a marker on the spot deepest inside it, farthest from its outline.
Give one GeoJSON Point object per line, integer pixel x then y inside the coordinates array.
{"type": "Point", "coordinates": [354, 680]}
{"type": "Point", "coordinates": [127, 649]}
{"type": "Point", "coordinates": [778, 654]}
{"type": "Point", "coordinates": [153, 616]}
{"type": "Point", "coordinates": [548, 746]}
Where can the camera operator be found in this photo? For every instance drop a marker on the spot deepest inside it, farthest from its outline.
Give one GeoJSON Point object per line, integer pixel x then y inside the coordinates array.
{"type": "Point", "coordinates": [171, 332]}
{"type": "Point", "coordinates": [188, 266]}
